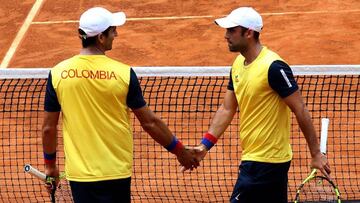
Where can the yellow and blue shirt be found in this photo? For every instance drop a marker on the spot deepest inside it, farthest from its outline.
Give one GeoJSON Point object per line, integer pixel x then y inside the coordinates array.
{"type": "Point", "coordinates": [263, 115]}
{"type": "Point", "coordinates": [94, 94]}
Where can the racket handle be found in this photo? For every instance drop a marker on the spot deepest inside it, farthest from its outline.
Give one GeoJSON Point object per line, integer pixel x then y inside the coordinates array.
{"type": "Point", "coordinates": [34, 172]}
{"type": "Point", "coordinates": [324, 134]}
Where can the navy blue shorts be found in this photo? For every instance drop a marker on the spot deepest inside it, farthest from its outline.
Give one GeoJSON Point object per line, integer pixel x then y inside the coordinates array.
{"type": "Point", "coordinates": [260, 182]}
{"type": "Point", "coordinates": [101, 191]}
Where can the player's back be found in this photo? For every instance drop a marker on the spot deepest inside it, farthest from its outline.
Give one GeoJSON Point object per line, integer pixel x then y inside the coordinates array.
{"type": "Point", "coordinates": [92, 92]}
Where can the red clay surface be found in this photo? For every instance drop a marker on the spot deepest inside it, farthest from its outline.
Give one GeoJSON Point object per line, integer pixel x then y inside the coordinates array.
{"type": "Point", "coordinates": [12, 15]}
{"type": "Point", "coordinates": [317, 32]}
{"type": "Point", "coordinates": [329, 37]}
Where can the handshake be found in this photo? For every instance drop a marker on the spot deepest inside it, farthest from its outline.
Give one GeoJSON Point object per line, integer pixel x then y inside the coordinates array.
{"type": "Point", "coordinates": [190, 157]}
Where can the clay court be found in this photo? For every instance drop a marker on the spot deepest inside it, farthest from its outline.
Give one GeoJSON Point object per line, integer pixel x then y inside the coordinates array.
{"type": "Point", "coordinates": [182, 33]}
{"type": "Point", "coordinates": [41, 33]}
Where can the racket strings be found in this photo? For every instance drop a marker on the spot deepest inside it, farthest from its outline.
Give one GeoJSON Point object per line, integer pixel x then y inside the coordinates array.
{"type": "Point", "coordinates": [318, 190]}
{"type": "Point", "coordinates": [62, 192]}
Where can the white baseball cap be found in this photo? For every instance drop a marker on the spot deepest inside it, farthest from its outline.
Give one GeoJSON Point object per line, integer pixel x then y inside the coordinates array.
{"type": "Point", "coordinates": [96, 20]}
{"type": "Point", "coordinates": [244, 16]}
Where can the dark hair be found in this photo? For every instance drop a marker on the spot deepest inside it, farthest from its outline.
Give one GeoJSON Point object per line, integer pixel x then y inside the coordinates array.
{"type": "Point", "coordinates": [89, 41]}
{"type": "Point", "coordinates": [256, 34]}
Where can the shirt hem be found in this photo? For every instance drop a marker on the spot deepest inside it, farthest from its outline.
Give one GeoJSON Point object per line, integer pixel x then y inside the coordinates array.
{"type": "Point", "coordinates": [93, 179]}
{"type": "Point", "coordinates": [265, 160]}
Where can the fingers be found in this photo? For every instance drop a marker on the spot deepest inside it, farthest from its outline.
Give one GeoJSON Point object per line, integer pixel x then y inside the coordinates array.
{"type": "Point", "coordinates": [50, 187]}
{"type": "Point", "coordinates": [183, 168]}
{"type": "Point", "coordinates": [196, 151]}
{"type": "Point", "coordinates": [200, 148]}
{"type": "Point", "coordinates": [52, 183]}
{"type": "Point", "coordinates": [188, 161]}
{"type": "Point", "coordinates": [320, 162]}
{"type": "Point", "coordinates": [327, 167]}
{"type": "Point", "coordinates": [200, 152]}
{"type": "Point", "coordinates": [325, 173]}
{"type": "Point", "coordinates": [191, 157]}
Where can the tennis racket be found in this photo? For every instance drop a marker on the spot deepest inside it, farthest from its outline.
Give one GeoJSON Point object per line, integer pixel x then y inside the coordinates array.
{"type": "Point", "coordinates": [316, 188]}
{"type": "Point", "coordinates": [42, 176]}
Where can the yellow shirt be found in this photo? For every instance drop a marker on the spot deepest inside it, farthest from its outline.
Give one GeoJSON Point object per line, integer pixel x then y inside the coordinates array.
{"type": "Point", "coordinates": [92, 92]}
{"type": "Point", "coordinates": [264, 117]}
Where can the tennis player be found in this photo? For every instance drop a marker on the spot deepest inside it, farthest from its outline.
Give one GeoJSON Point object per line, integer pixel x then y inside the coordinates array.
{"type": "Point", "coordinates": [263, 87]}
{"type": "Point", "coordinates": [94, 94]}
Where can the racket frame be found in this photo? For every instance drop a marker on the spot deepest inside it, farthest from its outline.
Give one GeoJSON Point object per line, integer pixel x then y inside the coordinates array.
{"type": "Point", "coordinates": [43, 177]}
{"type": "Point", "coordinates": [312, 176]}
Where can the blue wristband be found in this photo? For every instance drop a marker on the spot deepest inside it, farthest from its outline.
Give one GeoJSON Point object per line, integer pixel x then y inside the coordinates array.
{"type": "Point", "coordinates": [209, 140]}
{"type": "Point", "coordinates": [208, 144]}
{"type": "Point", "coordinates": [50, 156]}
{"type": "Point", "coordinates": [172, 145]}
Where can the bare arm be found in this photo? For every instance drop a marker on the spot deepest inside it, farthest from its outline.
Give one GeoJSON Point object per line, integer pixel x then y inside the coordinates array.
{"type": "Point", "coordinates": [49, 132]}
{"type": "Point", "coordinates": [224, 114]}
{"type": "Point", "coordinates": [220, 121]}
{"type": "Point", "coordinates": [153, 125]}
{"type": "Point", "coordinates": [49, 140]}
{"type": "Point", "coordinates": [159, 131]}
{"type": "Point", "coordinates": [296, 104]}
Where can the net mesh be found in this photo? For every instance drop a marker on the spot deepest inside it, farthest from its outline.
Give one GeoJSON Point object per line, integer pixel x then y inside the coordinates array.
{"type": "Point", "coordinates": [186, 99]}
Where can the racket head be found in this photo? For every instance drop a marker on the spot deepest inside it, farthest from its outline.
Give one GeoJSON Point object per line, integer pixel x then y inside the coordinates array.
{"type": "Point", "coordinates": [60, 192]}
{"type": "Point", "coordinates": [317, 189]}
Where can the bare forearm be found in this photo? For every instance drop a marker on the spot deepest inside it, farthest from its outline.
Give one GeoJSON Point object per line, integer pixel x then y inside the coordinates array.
{"type": "Point", "coordinates": [221, 121]}
{"type": "Point", "coordinates": [159, 131]}
{"type": "Point", "coordinates": [49, 139]}
{"type": "Point", "coordinates": [307, 127]}
{"type": "Point", "coordinates": [162, 135]}
{"type": "Point", "coordinates": [153, 125]}
{"type": "Point", "coordinates": [296, 104]}
{"type": "Point", "coordinates": [319, 160]}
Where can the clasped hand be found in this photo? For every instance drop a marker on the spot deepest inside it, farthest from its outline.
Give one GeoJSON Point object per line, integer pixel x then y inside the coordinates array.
{"type": "Point", "coordinates": [190, 157]}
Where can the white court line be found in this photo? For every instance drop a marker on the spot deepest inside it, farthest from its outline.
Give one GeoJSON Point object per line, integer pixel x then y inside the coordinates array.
{"type": "Point", "coordinates": [210, 16]}
{"type": "Point", "coordinates": [129, 19]}
{"type": "Point", "coordinates": [30, 17]}
{"type": "Point", "coordinates": [311, 12]}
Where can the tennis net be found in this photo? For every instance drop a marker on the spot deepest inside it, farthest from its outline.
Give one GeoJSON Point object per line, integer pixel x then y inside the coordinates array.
{"type": "Point", "coordinates": [186, 98]}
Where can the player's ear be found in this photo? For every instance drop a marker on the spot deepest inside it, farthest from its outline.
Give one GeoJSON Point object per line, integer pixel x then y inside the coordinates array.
{"type": "Point", "coordinates": [249, 33]}
{"type": "Point", "coordinates": [101, 38]}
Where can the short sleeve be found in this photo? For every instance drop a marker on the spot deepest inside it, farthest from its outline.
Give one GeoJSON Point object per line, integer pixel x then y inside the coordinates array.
{"type": "Point", "coordinates": [51, 100]}
{"type": "Point", "coordinates": [230, 84]}
{"type": "Point", "coordinates": [281, 79]}
{"type": "Point", "coordinates": [134, 98]}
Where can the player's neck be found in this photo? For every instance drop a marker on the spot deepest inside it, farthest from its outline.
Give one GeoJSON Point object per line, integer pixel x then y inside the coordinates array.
{"type": "Point", "coordinates": [92, 50]}
{"type": "Point", "coordinates": [252, 53]}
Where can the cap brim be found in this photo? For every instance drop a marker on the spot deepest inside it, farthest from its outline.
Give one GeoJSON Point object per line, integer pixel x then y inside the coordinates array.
{"type": "Point", "coordinates": [225, 23]}
{"type": "Point", "coordinates": [119, 18]}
